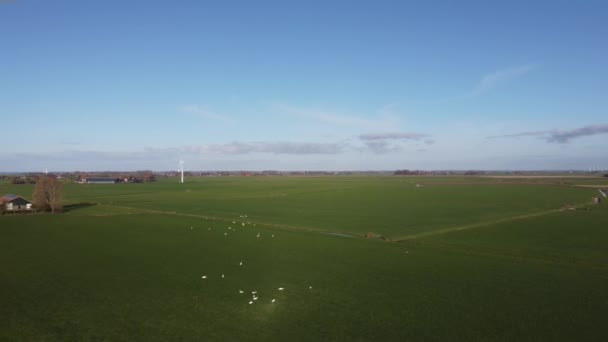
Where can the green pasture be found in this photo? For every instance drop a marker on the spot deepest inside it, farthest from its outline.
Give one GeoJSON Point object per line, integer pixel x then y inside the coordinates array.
{"type": "Point", "coordinates": [125, 262]}
{"type": "Point", "coordinates": [391, 206]}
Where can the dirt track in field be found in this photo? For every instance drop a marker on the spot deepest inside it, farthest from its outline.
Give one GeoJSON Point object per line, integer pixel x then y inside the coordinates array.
{"type": "Point", "coordinates": [540, 177]}
{"type": "Point", "coordinates": [508, 182]}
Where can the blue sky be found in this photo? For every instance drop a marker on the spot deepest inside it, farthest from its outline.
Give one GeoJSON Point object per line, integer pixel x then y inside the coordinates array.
{"type": "Point", "coordinates": [315, 85]}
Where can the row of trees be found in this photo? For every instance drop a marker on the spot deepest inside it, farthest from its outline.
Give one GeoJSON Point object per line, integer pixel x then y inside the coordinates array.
{"type": "Point", "coordinates": [132, 177]}
{"type": "Point", "coordinates": [410, 172]}
{"type": "Point", "coordinates": [23, 180]}
{"type": "Point", "coordinates": [31, 178]}
{"type": "Point", "coordinates": [421, 173]}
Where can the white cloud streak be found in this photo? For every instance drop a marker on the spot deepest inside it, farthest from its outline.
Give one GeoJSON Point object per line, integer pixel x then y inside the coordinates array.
{"type": "Point", "coordinates": [498, 77]}
{"type": "Point", "coordinates": [206, 114]}
{"type": "Point", "coordinates": [493, 80]}
{"type": "Point", "coordinates": [338, 119]}
{"type": "Point", "coordinates": [392, 136]}
{"type": "Point", "coordinates": [236, 147]}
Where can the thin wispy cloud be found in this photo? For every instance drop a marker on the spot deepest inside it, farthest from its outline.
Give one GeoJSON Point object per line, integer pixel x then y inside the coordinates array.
{"type": "Point", "coordinates": [560, 136]}
{"type": "Point", "coordinates": [498, 77]}
{"type": "Point", "coordinates": [84, 155]}
{"type": "Point", "coordinates": [238, 147]}
{"type": "Point", "coordinates": [383, 121]}
{"type": "Point", "coordinates": [519, 135]}
{"type": "Point", "coordinates": [170, 153]}
{"type": "Point", "coordinates": [393, 136]}
{"type": "Point", "coordinates": [371, 143]}
{"type": "Point", "coordinates": [205, 113]}
{"type": "Point", "coordinates": [495, 79]}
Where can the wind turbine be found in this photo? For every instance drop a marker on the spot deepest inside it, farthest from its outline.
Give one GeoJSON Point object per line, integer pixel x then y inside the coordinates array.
{"type": "Point", "coordinates": [181, 168]}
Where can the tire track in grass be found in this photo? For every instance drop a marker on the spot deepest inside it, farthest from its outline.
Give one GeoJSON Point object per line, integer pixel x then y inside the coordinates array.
{"type": "Point", "coordinates": [229, 220]}
{"type": "Point", "coordinates": [445, 248]}
{"type": "Point", "coordinates": [474, 225]}
{"type": "Point", "coordinates": [349, 234]}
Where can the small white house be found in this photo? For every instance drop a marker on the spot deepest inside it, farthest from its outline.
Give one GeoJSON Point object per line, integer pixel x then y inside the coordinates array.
{"type": "Point", "coordinates": [13, 203]}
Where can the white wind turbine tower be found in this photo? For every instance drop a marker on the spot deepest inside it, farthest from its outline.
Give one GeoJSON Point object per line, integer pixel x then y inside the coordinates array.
{"type": "Point", "coordinates": [181, 168]}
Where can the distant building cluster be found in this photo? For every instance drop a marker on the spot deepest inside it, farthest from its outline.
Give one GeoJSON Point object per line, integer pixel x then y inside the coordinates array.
{"type": "Point", "coordinates": [424, 173]}
{"type": "Point", "coordinates": [100, 180]}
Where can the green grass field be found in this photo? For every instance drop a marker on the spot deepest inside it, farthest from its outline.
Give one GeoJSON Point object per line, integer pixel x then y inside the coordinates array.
{"type": "Point", "coordinates": [468, 259]}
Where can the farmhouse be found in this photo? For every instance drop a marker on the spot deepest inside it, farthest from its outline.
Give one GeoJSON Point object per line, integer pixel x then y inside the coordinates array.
{"type": "Point", "coordinates": [14, 203]}
{"type": "Point", "coordinates": [100, 180]}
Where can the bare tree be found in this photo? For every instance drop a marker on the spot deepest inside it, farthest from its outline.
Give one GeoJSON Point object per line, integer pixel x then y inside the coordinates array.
{"type": "Point", "coordinates": [47, 194]}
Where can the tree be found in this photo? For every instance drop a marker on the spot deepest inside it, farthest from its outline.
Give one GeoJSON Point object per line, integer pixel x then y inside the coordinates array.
{"type": "Point", "coordinates": [47, 194]}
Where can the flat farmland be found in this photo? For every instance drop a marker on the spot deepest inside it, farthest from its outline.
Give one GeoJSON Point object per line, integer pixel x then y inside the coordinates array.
{"type": "Point", "coordinates": [469, 259]}
{"type": "Point", "coordinates": [391, 206]}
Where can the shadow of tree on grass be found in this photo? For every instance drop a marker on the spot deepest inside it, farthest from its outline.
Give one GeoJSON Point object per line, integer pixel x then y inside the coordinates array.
{"type": "Point", "coordinates": [76, 206]}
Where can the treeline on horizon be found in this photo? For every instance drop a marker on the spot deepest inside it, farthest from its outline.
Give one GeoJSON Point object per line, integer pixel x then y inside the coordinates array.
{"type": "Point", "coordinates": [142, 176]}
{"type": "Point", "coordinates": [32, 178]}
